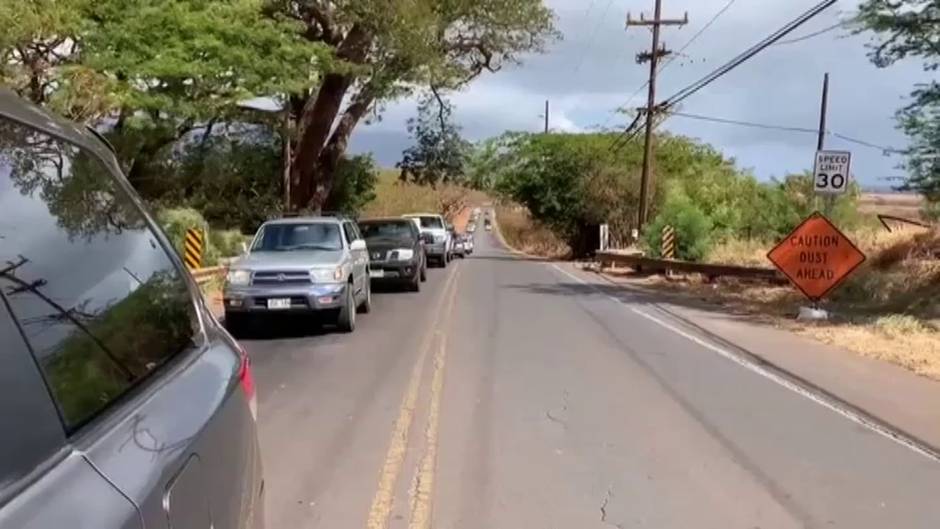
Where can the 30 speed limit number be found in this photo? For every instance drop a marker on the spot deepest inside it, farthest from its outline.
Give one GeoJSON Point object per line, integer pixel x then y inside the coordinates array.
{"type": "Point", "coordinates": [831, 175]}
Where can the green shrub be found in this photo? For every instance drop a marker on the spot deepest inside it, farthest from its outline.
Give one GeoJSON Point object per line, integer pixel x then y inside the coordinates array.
{"type": "Point", "coordinates": [228, 242]}
{"type": "Point", "coordinates": [693, 228]}
{"type": "Point", "coordinates": [931, 211]}
{"type": "Point", "coordinates": [176, 221]}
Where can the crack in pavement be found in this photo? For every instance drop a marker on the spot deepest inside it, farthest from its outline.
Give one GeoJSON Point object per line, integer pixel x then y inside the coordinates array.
{"type": "Point", "coordinates": [604, 503]}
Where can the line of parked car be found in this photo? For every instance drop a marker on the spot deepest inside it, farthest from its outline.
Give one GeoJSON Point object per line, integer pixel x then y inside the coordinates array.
{"type": "Point", "coordinates": [124, 402]}
{"type": "Point", "coordinates": [328, 264]}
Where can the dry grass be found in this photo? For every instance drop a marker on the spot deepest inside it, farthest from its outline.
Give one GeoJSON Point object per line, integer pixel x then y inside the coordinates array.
{"type": "Point", "coordinates": [394, 198]}
{"type": "Point", "coordinates": [889, 309]}
{"type": "Point", "coordinates": [906, 205]}
{"type": "Point", "coordinates": [524, 234]}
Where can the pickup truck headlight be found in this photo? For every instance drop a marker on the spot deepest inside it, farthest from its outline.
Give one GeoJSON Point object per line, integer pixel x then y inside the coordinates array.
{"type": "Point", "coordinates": [238, 278]}
{"type": "Point", "coordinates": [327, 275]}
{"type": "Point", "coordinates": [403, 254]}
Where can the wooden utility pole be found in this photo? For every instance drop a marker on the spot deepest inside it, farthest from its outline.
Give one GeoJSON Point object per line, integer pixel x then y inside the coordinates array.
{"type": "Point", "coordinates": [828, 201]}
{"type": "Point", "coordinates": [546, 116]}
{"type": "Point", "coordinates": [653, 57]}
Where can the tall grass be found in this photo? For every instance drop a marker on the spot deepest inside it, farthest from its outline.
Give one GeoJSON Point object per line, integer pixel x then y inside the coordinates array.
{"type": "Point", "coordinates": [394, 197]}
{"type": "Point", "coordinates": [526, 235]}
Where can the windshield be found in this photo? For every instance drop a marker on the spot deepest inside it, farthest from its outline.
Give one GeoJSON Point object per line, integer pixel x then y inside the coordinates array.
{"type": "Point", "coordinates": [292, 237]}
{"type": "Point", "coordinates": [396, 229]}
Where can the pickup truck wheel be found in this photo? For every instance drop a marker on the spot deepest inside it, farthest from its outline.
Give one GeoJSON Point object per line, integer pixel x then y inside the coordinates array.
{"type": "Point", "coordinates": [415, 284]}
{"type": "Point", "coordinates": [424, 270]}
{"type": "Point", "coordinates": [346, 319]}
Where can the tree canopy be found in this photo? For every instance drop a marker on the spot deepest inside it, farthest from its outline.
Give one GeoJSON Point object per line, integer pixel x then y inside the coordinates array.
{"type": "Point", "coordinates": [911, 29]}
{"type": "Point", "coordinates": [440, 153]}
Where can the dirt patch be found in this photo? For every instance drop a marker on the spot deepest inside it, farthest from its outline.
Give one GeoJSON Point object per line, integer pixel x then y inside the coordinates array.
{"type": "Point", "coordinates": [522, 233]}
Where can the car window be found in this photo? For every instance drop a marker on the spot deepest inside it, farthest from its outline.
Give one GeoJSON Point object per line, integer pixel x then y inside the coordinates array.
{"type": "Point", "coordinates": [285, 237]}
{"type": "Point", "coordinates": [100, 302]}
{"type": "Point", "coordinates": [391, 229]}
{"type": "Point", "coordinates": [431, 222]}
{"type": "Point", "coordinates": [350, 232]}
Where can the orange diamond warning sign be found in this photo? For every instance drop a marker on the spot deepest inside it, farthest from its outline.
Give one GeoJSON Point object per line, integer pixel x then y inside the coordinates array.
{"type": "Point", "coordinates": [816, 256]}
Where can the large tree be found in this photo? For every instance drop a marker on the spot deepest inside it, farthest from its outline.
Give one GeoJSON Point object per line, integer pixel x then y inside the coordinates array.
{"type": "Point", "coordinates": [911, 28]}
{"type": "Point", "coordinates": [386, 49]}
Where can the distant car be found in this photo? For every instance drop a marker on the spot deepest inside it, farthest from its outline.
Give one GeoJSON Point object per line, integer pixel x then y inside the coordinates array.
{"type": "Point", "coordinates": [301, 265]}
{"type": "Point", "coordinates": [123, 402]}
{"type": "Point", "coordinates": [441, 245]}
{"type": "Point", "coordinates": [460, 246]}
{"type": "Point", "coordinates": [487, 225]}
{"type": "Point", "coordinates": [396, 251]}
{"type": "Point", "coordinates": [471, 227]}
{"type": "Point", "coordinates": [468, 243]}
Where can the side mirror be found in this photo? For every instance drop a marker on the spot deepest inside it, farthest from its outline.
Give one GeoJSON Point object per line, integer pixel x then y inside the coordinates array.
{"type": "Point", "coordinates": [358, 244]}
{"type": "Point", "coordinates": [427, 238]}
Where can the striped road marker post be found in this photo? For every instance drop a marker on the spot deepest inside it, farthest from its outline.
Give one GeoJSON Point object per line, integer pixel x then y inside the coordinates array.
{"type": "Point", "coordinates": [669, 242]}
{"type": "Point", "coordinates": [192, 248]}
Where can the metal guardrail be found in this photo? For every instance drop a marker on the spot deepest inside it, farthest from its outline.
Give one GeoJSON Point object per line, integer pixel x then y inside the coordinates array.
{"type": "Point", "coordinates": [204, 275]}
{"type": "Point", "coordinates": [648, 264]}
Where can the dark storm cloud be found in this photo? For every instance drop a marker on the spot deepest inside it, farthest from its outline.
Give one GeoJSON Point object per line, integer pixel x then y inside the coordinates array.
{"type": "Point", "coordinates": [593, 71]}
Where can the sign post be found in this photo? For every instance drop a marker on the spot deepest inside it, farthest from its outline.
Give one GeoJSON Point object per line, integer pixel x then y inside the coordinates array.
{"type": "Point", "coordinates": [816, 257]}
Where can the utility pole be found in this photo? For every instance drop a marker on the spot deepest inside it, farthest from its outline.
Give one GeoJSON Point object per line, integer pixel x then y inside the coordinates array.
{"type": "Point", "coordinates": [653, 57]}
{"type": "Point", "coordinates": [546, 116]}
{"type": "Point", "coordinates": [821, 142]}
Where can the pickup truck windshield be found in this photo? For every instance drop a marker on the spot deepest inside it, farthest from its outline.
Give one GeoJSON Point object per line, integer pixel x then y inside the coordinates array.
{"type": "Point", "coordinates": [293, 236]}
{"type": "Point", "coordinates": [389, 230]}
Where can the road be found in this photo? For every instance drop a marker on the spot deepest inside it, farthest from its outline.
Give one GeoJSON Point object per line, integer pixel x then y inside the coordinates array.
{"type": "Point", "coordinates": [512, 393]}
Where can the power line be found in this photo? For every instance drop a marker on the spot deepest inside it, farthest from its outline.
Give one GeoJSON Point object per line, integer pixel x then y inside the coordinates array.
{"type": "Point", "coordinates": [593, 36]}
{"type": "Point", "coordinates": [698, 34]}
{"type": "Point", "coordinates": [811, 35]}
{"type": "Point", "coordinates": [738, 60]}
{"type": "Point", "coordinates": [768, 126]}
{"type": "Point", "coordinates": [747, 54]}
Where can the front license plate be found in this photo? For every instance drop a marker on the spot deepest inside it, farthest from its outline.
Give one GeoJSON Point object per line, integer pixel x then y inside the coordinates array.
{"type": "Point", "coordinates": [377, 273]}
{"type": "Point", "coordinates": [279, 303]}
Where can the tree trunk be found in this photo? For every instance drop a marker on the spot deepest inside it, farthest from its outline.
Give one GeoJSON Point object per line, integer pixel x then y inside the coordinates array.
{"type": "Point", "coordinates": [316, 120]}
{"type": "Point", "coordinates": [327, 163]}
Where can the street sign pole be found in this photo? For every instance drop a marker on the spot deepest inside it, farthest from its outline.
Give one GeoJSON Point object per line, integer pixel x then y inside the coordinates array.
{"type": "Point", "coordinates": [829, 200]}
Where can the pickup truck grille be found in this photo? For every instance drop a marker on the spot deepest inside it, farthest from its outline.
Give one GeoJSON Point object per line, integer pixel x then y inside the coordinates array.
{"type": "Point", "coordinates": [286, 278]}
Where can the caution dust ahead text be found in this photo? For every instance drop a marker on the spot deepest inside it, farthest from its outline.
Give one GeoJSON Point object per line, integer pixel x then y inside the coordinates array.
{"type": "Point", "coordinates": [816, 256]}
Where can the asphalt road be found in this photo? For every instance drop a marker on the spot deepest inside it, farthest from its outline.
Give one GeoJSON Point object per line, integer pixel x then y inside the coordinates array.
{"type": "Point", "coordinates": [509, 393]}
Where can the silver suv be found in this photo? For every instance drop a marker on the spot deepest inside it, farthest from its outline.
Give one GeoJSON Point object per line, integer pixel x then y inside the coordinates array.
{"type": "Point", "coordinates": [301, 265]}
{"type": "Point", "coordinates": [123, 403]}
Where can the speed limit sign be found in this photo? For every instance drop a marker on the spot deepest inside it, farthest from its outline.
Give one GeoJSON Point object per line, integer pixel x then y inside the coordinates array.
{"type": "Point", "coordinates": [831, 175]}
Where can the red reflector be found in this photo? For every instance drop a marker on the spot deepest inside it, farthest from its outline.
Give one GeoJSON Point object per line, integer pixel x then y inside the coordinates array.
{"type": "Point", "coordinates": [245, 377]}
{"type": "Point", "coordinates": [326, 299]}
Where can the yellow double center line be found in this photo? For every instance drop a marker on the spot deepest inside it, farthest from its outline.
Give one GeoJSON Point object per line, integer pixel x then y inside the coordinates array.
{"type": "Point", "coordinates": [394, 459]}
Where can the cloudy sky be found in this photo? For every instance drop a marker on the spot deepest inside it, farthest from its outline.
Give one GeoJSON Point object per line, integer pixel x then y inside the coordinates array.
{"type": "Point", "coordinates": [592, 71]}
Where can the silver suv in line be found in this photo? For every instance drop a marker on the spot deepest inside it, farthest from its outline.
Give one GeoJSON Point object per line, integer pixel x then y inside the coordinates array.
{"type": "Point", "coordinates": [301, 265]}
{"type": "Point", "coordinates": [123, 403]}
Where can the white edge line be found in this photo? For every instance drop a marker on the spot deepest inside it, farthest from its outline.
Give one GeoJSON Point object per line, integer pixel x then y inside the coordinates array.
{"type": "Point", "coordinates": [774, 377]}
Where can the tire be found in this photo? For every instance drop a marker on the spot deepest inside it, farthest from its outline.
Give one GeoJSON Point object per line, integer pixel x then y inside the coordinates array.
{"type": "Point", "coordinates": [443, 262]}
{"type": "Point", "coordinates": [424, 270]}
{"type": "Point", "coordinates": [415, 285]}
{"type": "Point", "coordinates": [366, 306]}
{"type": "Point", "coordinates": [346, 319]}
